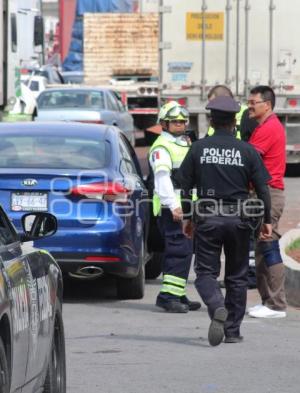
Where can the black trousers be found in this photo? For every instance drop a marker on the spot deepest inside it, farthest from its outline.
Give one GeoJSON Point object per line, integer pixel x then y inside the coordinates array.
{"type": "Point", "coordinates": [178, 249]}
{"type": "Point", "coordinates": [213, 233]}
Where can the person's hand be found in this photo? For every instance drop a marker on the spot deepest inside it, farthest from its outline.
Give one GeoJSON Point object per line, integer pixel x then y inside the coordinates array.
{"type": "Point", "coordinates": [177, 214]}
{"type": "Point", "coordinates": [188, 228]}
{"type": "Point", "coordinates": [265, 232]}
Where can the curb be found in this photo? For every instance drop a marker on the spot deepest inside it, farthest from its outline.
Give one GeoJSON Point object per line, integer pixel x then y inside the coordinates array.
{"type": "Point", "coordinates": [292, 269]}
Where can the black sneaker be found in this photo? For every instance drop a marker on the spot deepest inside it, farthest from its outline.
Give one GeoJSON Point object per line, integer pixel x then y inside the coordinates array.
{"type": "Point", "coordinates": [193, 306]}
{"type": "Point", "coordinates": [233, 339]}
{"type": "Point", "coordinates": [172, 305]}
{"type": "Point", "coordinates": [216, 327]}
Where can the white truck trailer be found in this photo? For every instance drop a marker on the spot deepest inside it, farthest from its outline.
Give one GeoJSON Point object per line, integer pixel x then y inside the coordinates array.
{"type": "Point", "coordinates": [240, 43]}
{"type": "Point", "coordinates": [21, 44]}
{"type": "Point", "coordinates": [201, 43]}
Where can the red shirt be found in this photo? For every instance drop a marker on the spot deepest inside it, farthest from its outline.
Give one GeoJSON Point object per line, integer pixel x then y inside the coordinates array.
{"type": "Point", "coordinates": [269, 140]}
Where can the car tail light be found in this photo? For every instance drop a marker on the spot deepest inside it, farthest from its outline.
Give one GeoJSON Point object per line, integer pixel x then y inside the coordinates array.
{"type": "Point", "coordinates": [91, 121]}
{"type": "Point", "coordinates": [108, 191]}
{"type": "Point", "coordinates": [100, 258]}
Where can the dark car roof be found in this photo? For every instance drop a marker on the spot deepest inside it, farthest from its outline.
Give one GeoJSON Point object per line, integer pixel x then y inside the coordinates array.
{"type": "Point", "coordinates": [57, 128]}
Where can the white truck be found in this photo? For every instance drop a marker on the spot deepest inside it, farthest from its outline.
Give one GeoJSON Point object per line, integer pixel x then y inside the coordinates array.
{"type": "Point", "coordinates": [240, 43]}
{"type": "Point", "coordinates": [201, 43]}
{"type": "Point", "coordinates": [21, 45]}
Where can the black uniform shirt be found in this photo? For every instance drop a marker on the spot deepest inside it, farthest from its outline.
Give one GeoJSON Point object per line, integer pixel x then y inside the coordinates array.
{"type": "Point", "coordinates": [222, 167]}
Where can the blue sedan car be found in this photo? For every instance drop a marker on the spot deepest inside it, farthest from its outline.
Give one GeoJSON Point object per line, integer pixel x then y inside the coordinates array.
{"type": "Point", "coordinates": [87, 176]}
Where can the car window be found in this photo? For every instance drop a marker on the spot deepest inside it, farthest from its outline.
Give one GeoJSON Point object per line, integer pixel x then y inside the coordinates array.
{"type": "Point", "coordinates": [58, 99]}
{"type": "Point", "coordinates": [127, 165]}
{"type": "Point", "coordinates": [112, 103]}
{"type": "Point", "coordinates": [7, 233]}
{"type": "Point", "coordinates": [61, 152]}
{"type": "Point", "coordinates": [132, 154]}
{"type": "Point", "coordinates": [34, 86]}
{"type": "Point", "coordinates": [118, 101]}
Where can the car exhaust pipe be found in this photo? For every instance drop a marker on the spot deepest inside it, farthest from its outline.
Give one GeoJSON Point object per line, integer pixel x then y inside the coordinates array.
{"type": "Point", "coordinates": [87, 273]}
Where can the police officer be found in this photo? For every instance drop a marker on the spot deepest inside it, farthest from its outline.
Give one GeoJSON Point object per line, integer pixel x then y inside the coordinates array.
{"type": "Point", "coordinates": [166, 155]}
{"type": "Point", "coordinates": [222, 168]}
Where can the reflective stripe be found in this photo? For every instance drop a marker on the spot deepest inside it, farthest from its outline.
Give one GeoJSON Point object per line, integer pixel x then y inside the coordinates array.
{"type": "Point", "coordinates": [174, 280]}
{"type": "Point", "coordinates": [173, 290]}
{"type": "Point", "coordinates": [173, 285]}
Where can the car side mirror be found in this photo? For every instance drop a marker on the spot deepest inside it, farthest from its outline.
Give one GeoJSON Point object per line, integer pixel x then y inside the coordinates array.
{"type": "Point", "coordinates": [38, 225]}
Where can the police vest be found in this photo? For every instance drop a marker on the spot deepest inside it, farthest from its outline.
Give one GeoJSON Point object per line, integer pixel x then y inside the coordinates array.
{"type": "Point", "coordinates": [177, 154]}
{"type": "Point", "coordinates": [238, 118]}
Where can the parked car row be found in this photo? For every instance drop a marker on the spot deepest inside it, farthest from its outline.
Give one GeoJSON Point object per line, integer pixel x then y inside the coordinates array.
{"type": "Point", "coordinates": [87, 105]}
{"type": "Point", "coordinates": [58, 101]}
{"type": "Point", "coordinates": [89, 177]}
{"type": "Point", "coordinates": [76, 191]}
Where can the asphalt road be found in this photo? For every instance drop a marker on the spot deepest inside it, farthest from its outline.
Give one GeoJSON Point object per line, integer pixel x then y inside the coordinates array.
{"type": "Point", "coordinates": [131, 347]}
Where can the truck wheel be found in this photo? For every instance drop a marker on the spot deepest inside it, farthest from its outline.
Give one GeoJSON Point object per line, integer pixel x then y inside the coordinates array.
{"type": "Point", "coordinates": [4, 373]}
{"type": "Point", "coordinates": [133, 288]}
{"type": "Point", "coordinates": [154, 266]}
{"type": "Point", "coordinates": [56, 372]}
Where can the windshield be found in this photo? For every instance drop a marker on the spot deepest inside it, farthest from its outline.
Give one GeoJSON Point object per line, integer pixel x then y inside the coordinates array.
{"type": "Point", "coordinates": [90, 100]}
{"type": "Point", "coordinates": [48, 152]}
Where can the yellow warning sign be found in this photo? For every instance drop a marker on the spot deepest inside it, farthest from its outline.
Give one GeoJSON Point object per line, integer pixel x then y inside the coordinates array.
{"type": "Point", "coordinates": [214, 26]}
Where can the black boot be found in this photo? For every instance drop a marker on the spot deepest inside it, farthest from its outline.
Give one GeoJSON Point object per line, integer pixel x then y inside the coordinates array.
{"type": "Point", "coordinates": [172, 305]}
{"type": "Point", "coordinates": [193, 306]}
{"type": "Point", "coordinates": [216, 327]}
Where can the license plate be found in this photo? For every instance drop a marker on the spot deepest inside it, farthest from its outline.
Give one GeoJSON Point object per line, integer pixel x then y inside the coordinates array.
{"type": "Point", "coordinates": [29, 201]}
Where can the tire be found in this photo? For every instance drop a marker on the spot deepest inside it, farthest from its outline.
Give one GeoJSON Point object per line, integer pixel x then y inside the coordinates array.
{"type": "Point", "coordinates": [55, 381]}
{"type": "Point", "coordinates": [133, 288]}
{"type": "Point", "coordinates": [154, 266]}
{"type": "Point", "coordinates": [4, 372]}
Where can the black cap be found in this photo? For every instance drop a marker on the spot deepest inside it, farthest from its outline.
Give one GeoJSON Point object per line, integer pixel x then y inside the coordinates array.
{"type": "Point", "coordinates": [224, 104]}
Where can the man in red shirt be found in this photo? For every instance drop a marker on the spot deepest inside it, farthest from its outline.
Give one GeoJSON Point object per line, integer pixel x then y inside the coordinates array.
{"type": "Point", "coordinates": [270, 141]}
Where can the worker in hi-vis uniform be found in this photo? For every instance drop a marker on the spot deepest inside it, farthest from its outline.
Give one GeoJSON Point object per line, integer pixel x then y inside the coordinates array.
{"type": "Point", "coordinates": [166, 156]}
{"type": "Point", "coordinates": [224, 91]}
